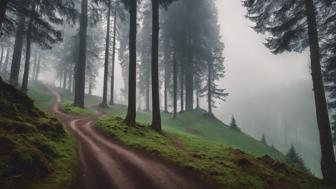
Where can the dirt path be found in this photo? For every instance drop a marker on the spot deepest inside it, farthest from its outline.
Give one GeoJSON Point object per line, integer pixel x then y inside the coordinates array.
{"type": "Point", "coordinates": [105, 164]}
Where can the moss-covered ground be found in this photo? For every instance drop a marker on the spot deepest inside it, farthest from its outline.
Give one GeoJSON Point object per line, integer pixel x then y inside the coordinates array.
{"type": "Point", "coordinates": [36, 151]}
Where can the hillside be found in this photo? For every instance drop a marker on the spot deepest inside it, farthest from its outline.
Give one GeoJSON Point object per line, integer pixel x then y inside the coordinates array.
{"type": "Point", "coordinates": [205, 145]}
{"type": "Point", "coordinates": [35, 148]}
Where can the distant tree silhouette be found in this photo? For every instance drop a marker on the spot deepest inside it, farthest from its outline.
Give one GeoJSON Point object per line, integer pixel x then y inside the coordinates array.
{"type": "Point", "coordinates": [234, 125]}
{"type": "Point", "coordinates": [294, 159]}
{"type": "Point", "coordinates": [263, 139]}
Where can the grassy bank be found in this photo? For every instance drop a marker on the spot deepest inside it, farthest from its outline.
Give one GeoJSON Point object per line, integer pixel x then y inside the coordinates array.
{"type": "Point", "coordinates": [36, 151]}
{"type": "Point", "coordinates": [230, 168]}
{"type": "Point", "coordinates": [200, 125]}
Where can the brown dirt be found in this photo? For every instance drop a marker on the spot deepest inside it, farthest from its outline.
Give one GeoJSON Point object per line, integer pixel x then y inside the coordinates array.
{"type": "Point", "coordinates": [107, 164]}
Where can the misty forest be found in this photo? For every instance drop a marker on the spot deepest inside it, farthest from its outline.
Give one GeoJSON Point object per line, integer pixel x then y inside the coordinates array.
{"type": "Point", "coordinates": [167, 94]}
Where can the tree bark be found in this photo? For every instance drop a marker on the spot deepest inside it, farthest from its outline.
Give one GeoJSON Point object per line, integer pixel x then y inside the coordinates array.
{"type": "Point", "coordinates": [189, 80]}
{"type": "Point", "coordinates": [38, 67]}
{"type": "Point", "coordinates": [175, 85]}
{"type": "Point", "coordinates": [182, 86]}
{"type": "Point", "coordinates": [113, 53]}
{"type": "Point", "coordinates": [328, 163]}
{"type": "Point", "coordinates": [16, 62]}
{"type": "Point", "coordinates": [189, 89]}
{"type": "Point", "coordinates": [131, 110]}
{"type": "Point", "coordinates": [166, 88]}
{"type": "Point", "coordinates": [34, 66]}
{"type": "Point", "coordinates": [3, 6]}
{"type": "Point", "coordinates": [24, 86]}
{"type": "Point", "coordinates": [2, 55]}
{"type": "Point", "coordinates": [81, 64]}
{"type": "Point", "coordinates": [156, 118]}
{"type": "Point", "coordinates": [70, 79]}
{"type": "Point", "coordinates": [5, 65]}
{"type": "Point", "coordinates": [65, 76]}
{"type": "Point", "coordinates": [107, 53]}
{"type": "Point", "coordinates": [209, 88]}
{"type": "Point", "coordinates": [147, 86]}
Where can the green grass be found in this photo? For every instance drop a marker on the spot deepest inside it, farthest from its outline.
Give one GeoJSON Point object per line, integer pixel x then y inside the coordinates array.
{"type": "Point", "coordinates": [228, 167]}
{"type": "Point", "coordinates": [200, 125]}
{"type": "Point", "coordinates": [41, 96]}
{"type": "Point", "coordinates": [69, 108]}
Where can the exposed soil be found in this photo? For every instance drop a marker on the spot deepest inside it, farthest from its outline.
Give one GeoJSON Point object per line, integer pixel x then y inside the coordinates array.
{"type": "Point", "coordinates": [106, 164]}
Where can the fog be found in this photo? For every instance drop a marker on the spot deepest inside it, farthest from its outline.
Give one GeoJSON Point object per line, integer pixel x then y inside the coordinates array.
{"type": "Point", "coordinates": [270, 94]}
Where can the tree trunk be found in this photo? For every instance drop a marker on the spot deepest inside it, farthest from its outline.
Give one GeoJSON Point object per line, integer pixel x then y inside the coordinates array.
{"type": "Point", "coordinates": [70, 81]}
{"type": "Point", "coordinates": [65, 76]}
{"type": "Point", "coordinates": [90, 86]}
{"type": "Point", "coordinates": [189, 80]}
{"type": "Point", "coordinates": [182, 86]}
{"type": "Point", "coordinates": [113, 53]}
{"type": "Point", "coordinates": [3, 6]}
{"type": "Point", "coordinates": [32, 77]}
{"type": "Point", "coordinates": [81, 64]}
{"type": "Point", "coordinates": [38, 67]}
{"type": "Point", "coordinates": [147, 86]}
{"type": "Point", "coordinates": [24, 86]}
{"type": "Point", "coordinates": [16, 62]}
{"type": "Point", "coordinates": [156, 118]}
{"type": "Point", "coordinates": [209, 88]}
{"type": "Point", "coordinates": [166, 89]}
{"type": "Point", "coordinates": [131, 110]}
{"type": "Point", "coordinates": [2, 55]}
{"type": "Point", "coordinates": [175, 84]}
{"type": "Point", "coordinates": [189, 89]}
{"type": "Point", "coordinates": [107, 53]}
{"type": "Point", "coordinates": [328, 163]}
{"type": "Point", "coordinates": [5, 66]}
{"type": "Point", "coordinates": [197, 100]}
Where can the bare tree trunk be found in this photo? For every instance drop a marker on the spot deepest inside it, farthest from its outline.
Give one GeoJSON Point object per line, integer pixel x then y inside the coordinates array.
{"type": "Point", "coordinates": [107, 53]}
{"type": "Point", "coordinates": [209, 87]}
{"type": "Point", "coordinates": [147, 87]}
{"type": "Point", "coordinates": [182, 86]}
{"type": "Point", "coordinates": [2, 56]}
{"type": "Point", "coordinates": [90, 86]}
{"type": "Point", "coordinates": [156, 118]}
{"type": "Point", "coordinates": [328, 163]}
{"type": "Point", "coordinates": [32, 77]}
{"type": "Point", "coordinates": [65, 76]}
{"type": "Point", "coordinates": [197, 100]}
{"type": "Point", "coordinates": [70, 80]}
{"type": "Point", "coordinates": [3, 6]}
{"type": "Point", "coordinates": [166, 89]}
{"type": "Point", "coordinates": [175, 84]}
{"type": "Point", "coordinates": [38, 67]}
{"type": "Point", "coordinates": [81, 64]}
{"type": "Point", "coordinates": [24, 86]}
{"type": "Point", "coordinates": [131, 111]}
{"type": "Point", "coordinates": [16, 62]}
{"type": "Point", "coordinates": [113, 54]}
{"type": "Point", "coordinates": [5, 66]}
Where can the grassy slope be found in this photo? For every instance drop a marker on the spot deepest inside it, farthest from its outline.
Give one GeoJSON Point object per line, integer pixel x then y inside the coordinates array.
{"type": "Point", "coordinates": [228, 167]}
{"type": "Point", "coordinates": [200, 125]}
{"type": "Point", "coordinates": [35, 152]}
{"type": "Point", "coordinates": [204, 144]}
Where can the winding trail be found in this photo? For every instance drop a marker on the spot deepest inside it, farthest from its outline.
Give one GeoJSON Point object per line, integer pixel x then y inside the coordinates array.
{"type": "Point", "coordinates": [105, 164]}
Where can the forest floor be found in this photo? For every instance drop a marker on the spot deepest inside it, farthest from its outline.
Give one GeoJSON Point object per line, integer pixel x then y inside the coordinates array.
{"type": "Point", "coordinates": [105, 163]}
